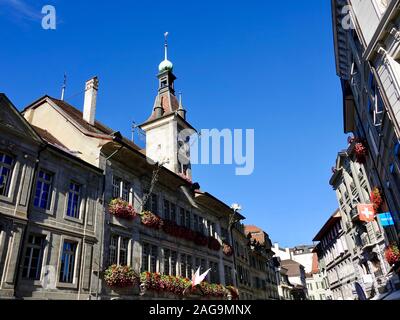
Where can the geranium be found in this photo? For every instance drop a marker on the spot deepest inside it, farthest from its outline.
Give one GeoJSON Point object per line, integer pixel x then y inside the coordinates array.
{"type": "Point", "coordinates": [165, 283]}
{"type": "Point", "coordinates": [376, 199]}
{"type": "Point", "coordinates": [183, 286]}
{"type": "Point", "coordinates": [213, 244]}
{"type": "Point", "coordinates": [392, 254]}
{"type": "Point", "coordinates": [228, 250]}
{"type": "Point", "coordinates": [121, 209]}
{"type": "Point", "coordinates": [360, 151]}
{"type": "Point", "coordinates": [151, 220]}
{"type": "Point", "coordinates": [120, 276]}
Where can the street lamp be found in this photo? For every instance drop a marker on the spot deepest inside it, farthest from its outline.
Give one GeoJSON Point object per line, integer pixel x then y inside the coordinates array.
{"type": "Point", "coordinates": [233, 219]}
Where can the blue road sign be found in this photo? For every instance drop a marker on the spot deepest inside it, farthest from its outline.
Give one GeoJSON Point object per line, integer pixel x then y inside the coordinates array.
{"type": "Point", "coordinates": [386, 219]}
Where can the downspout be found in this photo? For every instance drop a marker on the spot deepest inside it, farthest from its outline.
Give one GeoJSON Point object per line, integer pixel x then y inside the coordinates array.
{"type": "Point", "coordinates": [20, 258]}
{"type": "Point", "coordinates": [104, 220]}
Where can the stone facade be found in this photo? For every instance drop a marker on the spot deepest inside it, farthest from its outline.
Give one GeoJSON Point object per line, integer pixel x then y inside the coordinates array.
{"type": "Point", "coordinates": [49, 238]}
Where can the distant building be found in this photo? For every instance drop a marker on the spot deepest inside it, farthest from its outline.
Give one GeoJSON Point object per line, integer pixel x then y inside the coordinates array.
{"type": "Point", "coordinates": [297, 277]}
{"type": "Point", "coordinates": [317, 285]}
{"type": "Point", "coordinates": [285, 287]}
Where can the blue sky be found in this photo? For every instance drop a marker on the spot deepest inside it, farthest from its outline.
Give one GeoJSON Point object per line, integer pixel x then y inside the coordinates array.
{"type": "Point", "coordinates": [265, 65]}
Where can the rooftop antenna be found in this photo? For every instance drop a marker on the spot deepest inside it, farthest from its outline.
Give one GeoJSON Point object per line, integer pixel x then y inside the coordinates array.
{"type": "Point", "coordinates": [64, 87]}
{"type": "Point", "coordinates": [134, 126]}
{"type": "Point", "coordinates": [166, 44]}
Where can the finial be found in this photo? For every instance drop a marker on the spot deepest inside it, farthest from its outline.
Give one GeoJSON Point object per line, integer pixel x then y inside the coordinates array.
{"type": "Point", "coordinates": [166, 44]}
{"type": "Point", "coordinates": [64, 87]}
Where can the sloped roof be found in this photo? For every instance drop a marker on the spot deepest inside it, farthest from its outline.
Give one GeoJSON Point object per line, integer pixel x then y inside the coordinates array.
{"type": "Point", "coordinates": [293, 267]}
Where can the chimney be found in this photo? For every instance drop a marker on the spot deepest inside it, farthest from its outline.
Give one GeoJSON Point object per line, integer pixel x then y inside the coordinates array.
{"type": "Point", "coordinates": [89, 106]}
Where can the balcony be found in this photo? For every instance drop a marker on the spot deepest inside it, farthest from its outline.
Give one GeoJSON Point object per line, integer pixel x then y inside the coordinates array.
{"type": "Point", "coordinates": [366, 241]}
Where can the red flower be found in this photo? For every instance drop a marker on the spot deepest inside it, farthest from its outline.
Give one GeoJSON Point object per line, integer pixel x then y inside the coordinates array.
{"type": "Point", "coordinates": [121, 209]}
{"type": "Point", "coordinates": [376, 199]}
{"type": "Point", "coordinates": [151, 220]}
{"type": "Point", "coordinates": [392, 254]}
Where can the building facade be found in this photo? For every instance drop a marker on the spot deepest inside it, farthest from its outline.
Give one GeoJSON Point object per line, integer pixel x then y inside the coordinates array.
{"type": "Point", "coordinates": [62, 229]}
{"type": "Point", "coordinates": [367, 50]}
{"type": "Point", "coordinates": [366, 240]}
{"type": "Point", "coordinates": [51, 217]}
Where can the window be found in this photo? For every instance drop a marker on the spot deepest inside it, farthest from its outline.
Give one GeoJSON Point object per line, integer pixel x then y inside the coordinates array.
{"type": "Point", "coordinates": [43, 190]}
{"type": "Point", "coordinates": [121, 189]}
{"type": "Point", "coordinates": [116, 187]}
{"type": "Point", "coordinates": [149, 258]}
{"type": "Point", "coordinates": [174, 261]}
{"type": "Point", "coordinates": [68, 262]}
{"type": "Point", "coordinates": [186, 265]}
{"type": "Point", "coordinates": [225, 235]}
{"type": "Point", "coordinates": [126, 188]}
{"type": "Point", "coordinates": [118, 250]}
{"type": "Point", "coordinates": [214, 273]}
{"type": "Point", "coordinates": [212, 229]}
{"type": "Point", "coordinates": [169, 211]}
{"type": "Point", "coordinates": [184, 218]}
{"type": "Point", "coordinates": [228, 276]}
{"type": "Point", "coordinates": [73, 200]}
{"type": "Point", "coordinates": [6, 163]}
{"type": "Point", "coordinates": [195, 222]}
{"type": "Point", "coordinates": [170, 262]}
{"type": "Point", "coordinates": [152, 203]}
{"type": "Point", "coordinates": [33, 257]}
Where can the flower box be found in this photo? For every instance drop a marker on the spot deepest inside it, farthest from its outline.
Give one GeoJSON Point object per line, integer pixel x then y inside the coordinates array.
{"type": "Point", "coordinates": [121, 209]}
{"type": "Point", "coordinates": [118, 277]}
{"type": "Point", "coordinates": [151, 220]}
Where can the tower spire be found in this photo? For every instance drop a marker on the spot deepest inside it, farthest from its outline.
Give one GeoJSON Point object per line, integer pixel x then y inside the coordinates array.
{"type": "Point", "coordinates": [166, 45]}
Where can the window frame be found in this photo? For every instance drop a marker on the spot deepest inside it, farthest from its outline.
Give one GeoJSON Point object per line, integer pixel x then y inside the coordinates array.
{"type": "Point", "coordinates": [51, 196]}
{"type": "Point", "coordinates": [31, 246]}
{"type": "Point", "coordinates": [79, 204]}
{"type": "Point", "coordinates": [117, 249]}
{"type": "Point", "coordinates": [75, 280]}
{"type": "Point", "coordinates": [7, 193]}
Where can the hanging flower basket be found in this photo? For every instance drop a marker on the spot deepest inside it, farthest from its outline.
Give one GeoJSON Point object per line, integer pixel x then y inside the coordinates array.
{"type": "Point", "coordinates": [392, 254]}
{"type": "Point", "coordinates": [120, 277]}
{"type": "Point", "coordinates": [228, 250]}
{"type": "Point", "coordinates": [376, 199]}
{"type": "Point", "coordinates": [360, 149]}
{"type": "Point", "coordinates": [214, 244]}
{"type": "Point", "coordinates": [121, 209]}
{"type": "Point", "coordinates": [149, 219]}
{"type": "Point", "coordinates": [234, 292]}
